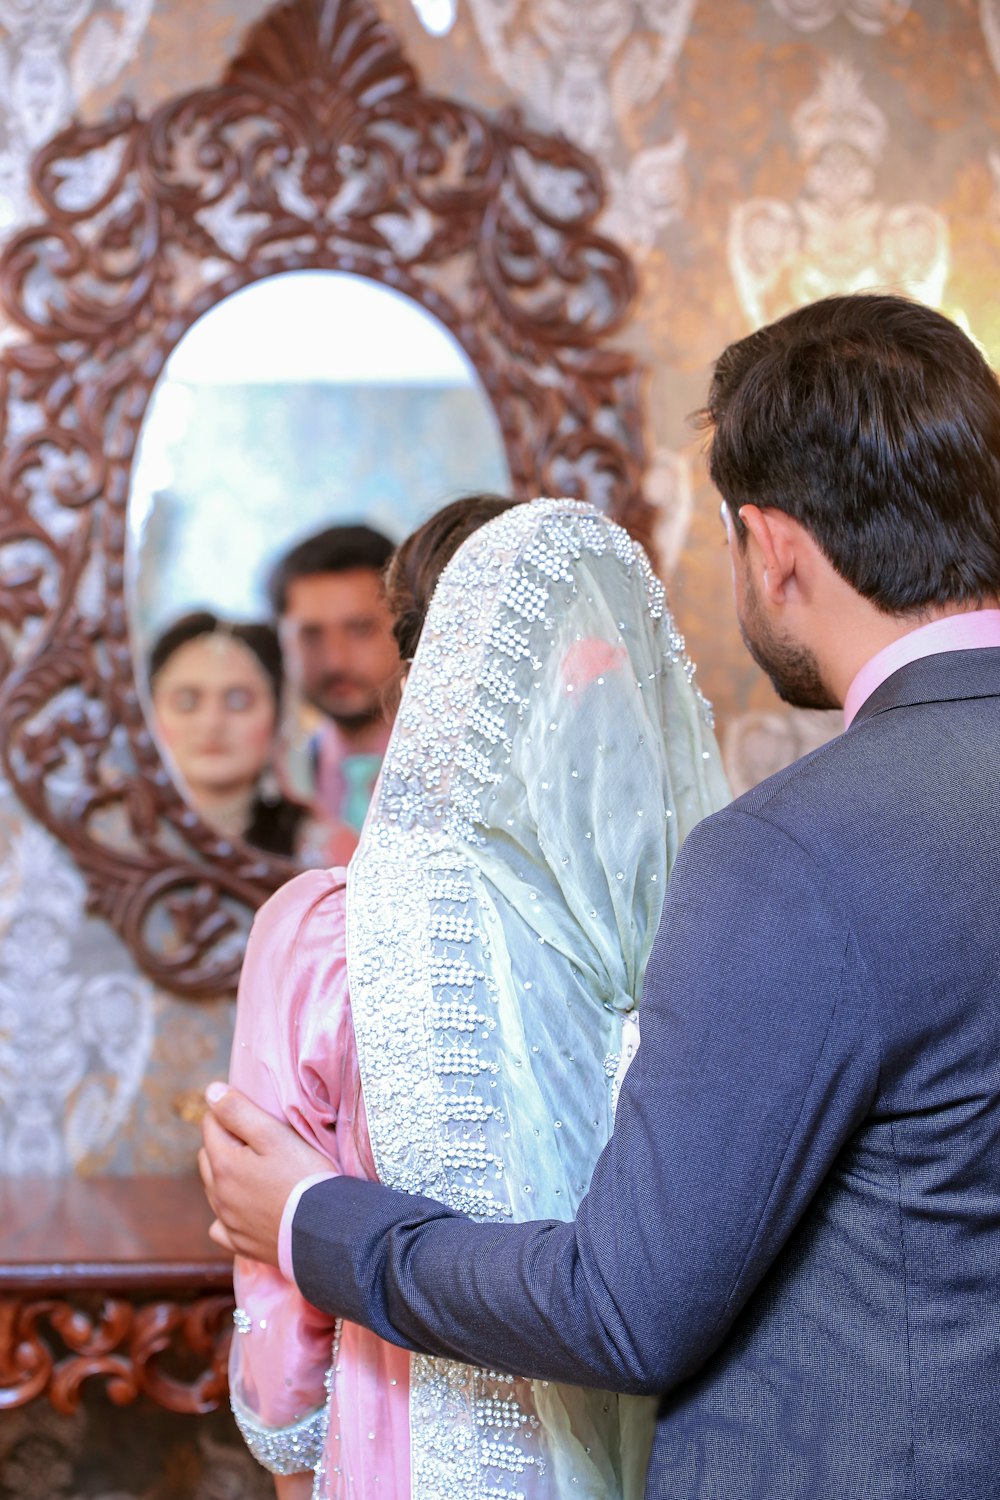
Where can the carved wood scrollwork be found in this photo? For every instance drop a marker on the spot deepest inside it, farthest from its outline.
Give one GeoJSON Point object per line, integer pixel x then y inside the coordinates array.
{"type": "Point", "coordinates": [175, 1352]}
{"type": "Point", "coordinates": [318, 149]}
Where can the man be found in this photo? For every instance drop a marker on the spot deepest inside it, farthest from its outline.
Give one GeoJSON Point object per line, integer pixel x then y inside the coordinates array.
{"type": "Point", "coordinates": [340, 653]}
{"type": "Point", "coordinates": [793, 1236]}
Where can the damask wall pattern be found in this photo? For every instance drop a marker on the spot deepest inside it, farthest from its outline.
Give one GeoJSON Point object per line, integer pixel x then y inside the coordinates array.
{"type": "Point", "coordinates": [757, 153]}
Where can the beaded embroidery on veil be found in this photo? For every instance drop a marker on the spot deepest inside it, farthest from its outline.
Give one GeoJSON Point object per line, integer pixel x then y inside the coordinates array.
{"type": "Point", "coordinates": [550, 753]}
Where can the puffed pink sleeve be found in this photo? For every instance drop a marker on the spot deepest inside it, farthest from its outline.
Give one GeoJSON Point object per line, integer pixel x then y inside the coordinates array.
{"type": "Point", "coordinates": [293, 1054]}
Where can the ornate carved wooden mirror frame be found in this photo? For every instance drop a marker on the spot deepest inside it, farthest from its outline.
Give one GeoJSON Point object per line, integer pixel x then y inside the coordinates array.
{"type": "Point", "coordinates": [318, 149]}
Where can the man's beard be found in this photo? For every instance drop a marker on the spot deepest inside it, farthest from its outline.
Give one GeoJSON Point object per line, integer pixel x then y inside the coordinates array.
{"type": "Point", "coordinates": [792, 669]}
{"type": "Point", "coordinates": [352, 705]}
{"type": "Point", "coordinates": [362, 718]}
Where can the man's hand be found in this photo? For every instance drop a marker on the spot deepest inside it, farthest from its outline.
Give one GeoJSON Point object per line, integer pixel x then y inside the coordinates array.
{"type": "Point", "coordinates": [249, 1164]}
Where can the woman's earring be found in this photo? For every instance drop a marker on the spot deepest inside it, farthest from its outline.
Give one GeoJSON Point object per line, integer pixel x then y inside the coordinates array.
{"type": "Point", "coordinates": [268, 788]}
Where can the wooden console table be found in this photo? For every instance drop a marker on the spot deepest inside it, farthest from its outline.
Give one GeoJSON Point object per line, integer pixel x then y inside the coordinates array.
{"type": "Point", "coordinates": [112, 1279]}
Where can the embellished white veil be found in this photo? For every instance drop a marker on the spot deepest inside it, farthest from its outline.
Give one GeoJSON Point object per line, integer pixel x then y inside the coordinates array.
{"type": "Point", "coordinates": [550, 753]}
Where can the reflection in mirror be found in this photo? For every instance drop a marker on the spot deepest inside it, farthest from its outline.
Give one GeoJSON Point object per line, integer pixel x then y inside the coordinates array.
{"type": "Point", "coordinates": [300, 429]}
{"type": "Point", "coordinates": [216, 691]}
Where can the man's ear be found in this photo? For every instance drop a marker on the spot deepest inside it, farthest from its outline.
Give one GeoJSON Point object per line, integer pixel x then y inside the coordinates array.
{"type": "Point", "coordinates": [772, 535]}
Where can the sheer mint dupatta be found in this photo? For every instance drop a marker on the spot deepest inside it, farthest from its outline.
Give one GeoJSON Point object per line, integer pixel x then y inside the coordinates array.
{"type": "Point", "coordinates": [549, 755]}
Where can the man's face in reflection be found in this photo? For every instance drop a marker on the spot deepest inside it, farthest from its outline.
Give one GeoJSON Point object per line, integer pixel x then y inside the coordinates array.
{"type": "Point", "coordinates": [338, 646]}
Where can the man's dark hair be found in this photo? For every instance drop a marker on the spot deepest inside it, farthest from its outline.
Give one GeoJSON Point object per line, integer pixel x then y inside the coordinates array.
{"type": "Point", "coordinates": [874, 422]}
{"type": "Point", "coordinates": [338, 549]}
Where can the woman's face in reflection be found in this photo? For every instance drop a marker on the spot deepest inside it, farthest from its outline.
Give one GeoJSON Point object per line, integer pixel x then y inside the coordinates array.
{"type": "Point", "coordinates": [216, 713]}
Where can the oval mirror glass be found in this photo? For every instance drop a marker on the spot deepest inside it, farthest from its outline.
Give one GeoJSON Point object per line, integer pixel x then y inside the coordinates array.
{"type": "Point", "coordinates": [308, 410]}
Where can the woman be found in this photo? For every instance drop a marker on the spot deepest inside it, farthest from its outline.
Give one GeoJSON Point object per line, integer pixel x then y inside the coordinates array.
{"type": "Point", "coordinates": [216, 690]}
{"type": "Point", "coordinates": [549, 754]}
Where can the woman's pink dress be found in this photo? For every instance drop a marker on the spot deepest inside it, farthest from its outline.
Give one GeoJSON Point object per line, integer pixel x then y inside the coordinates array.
{"type": "Point", "coordinates": [294, 1054]}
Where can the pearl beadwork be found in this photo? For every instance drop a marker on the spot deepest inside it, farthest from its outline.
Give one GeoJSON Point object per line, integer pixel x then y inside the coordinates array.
{"type": "Point", "coordinates": [443, 1071]}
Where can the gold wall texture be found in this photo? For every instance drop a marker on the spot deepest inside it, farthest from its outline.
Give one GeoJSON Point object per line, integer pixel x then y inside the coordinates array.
{"type": "Point", "coordinates": [758, 153]}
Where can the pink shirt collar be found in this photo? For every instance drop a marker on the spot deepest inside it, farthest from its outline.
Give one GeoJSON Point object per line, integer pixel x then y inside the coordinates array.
{"type": "Point", "coordinates": [965, 632]}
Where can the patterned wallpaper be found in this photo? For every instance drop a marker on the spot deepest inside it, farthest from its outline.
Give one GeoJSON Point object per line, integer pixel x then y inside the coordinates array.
{"type": "Point", "coordinates": [758, 153]}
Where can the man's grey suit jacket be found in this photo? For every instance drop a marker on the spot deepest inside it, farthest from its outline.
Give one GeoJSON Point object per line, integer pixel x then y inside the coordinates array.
{"type": "Point", "coordinates": [794, 1234]}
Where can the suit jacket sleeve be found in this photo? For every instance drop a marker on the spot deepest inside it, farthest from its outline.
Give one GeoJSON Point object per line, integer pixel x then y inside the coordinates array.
{"type": "Point", "coordinates": [758, 1060]}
